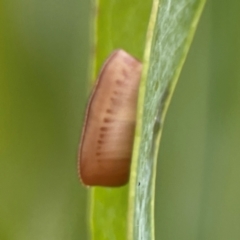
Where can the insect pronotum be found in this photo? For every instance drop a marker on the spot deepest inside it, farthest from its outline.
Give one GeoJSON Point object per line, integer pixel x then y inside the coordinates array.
{"type": "Point", "coordinates": [107, 136]}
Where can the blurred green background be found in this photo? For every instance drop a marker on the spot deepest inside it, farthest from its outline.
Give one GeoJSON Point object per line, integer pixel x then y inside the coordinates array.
{"type": "Point", "coordinates": [43, 68]}
{"type": "Point", "coordinates": [44, 48]}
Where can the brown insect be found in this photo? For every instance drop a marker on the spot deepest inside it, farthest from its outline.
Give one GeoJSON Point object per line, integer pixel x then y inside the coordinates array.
{"type": "Point", "coordinates": [107, 137]}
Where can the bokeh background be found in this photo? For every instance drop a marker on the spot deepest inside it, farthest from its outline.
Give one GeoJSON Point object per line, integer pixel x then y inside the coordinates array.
{"type": "Point", "coordinates": [43, 68]}
{"type": "Point", "coordinates": [44, 48]}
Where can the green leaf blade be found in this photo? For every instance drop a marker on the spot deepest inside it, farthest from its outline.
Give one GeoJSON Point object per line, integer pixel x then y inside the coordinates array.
{"type": "Point", "coordinates": [117, 24]}
{"type": "Point", "coordinates": [169, 42]}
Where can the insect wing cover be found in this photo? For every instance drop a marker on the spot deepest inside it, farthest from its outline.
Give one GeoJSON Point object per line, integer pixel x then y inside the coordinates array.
{"type": "Point", "coordinates": [107, 137]}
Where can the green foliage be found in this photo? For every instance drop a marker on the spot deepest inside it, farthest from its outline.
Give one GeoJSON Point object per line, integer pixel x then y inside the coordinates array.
{"type": "Point", "coordinates": [43, 61]}
{"type": "Point", "coordinates": [169, 37]}
{"type": "Point", "coordinates": [117, 25]}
